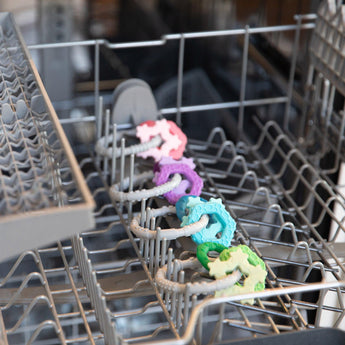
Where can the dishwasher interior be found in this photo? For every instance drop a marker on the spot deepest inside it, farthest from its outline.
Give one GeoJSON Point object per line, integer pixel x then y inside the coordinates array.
{"type": "Point", "coordinates": [275, 161]}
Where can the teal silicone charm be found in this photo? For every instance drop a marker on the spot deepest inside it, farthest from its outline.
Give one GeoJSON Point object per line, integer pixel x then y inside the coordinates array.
{"type": "Point", "coordinates": [221, 226]}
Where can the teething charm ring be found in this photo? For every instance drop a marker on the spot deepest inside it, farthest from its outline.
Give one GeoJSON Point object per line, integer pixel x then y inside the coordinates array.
{"type": "Point", "coordinates": [174, 140]}
{"type": "Point", "coordinates": [220, 221]}
{"type": "Point", "coordinates": [181, 205]}
{"type": "Point", "coordinates": [194, 181]}
{"type": "Point", "coordinates": [170, 160]}
{"type": "Point", "coordinates": [102, 148]}
{"type": "Point", "coordinates": [198, 287]}
{"type": "Point", "coordinates": [240, 258]}
{"type": "Point", "coordinates": [140, 194]}
{"type": "Point", "coordinates": [169, 234]}
{"type": "Point", "coordinates": [203, 250]}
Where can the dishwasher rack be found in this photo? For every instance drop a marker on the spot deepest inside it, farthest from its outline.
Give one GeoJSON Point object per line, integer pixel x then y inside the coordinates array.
{"type": "Point", "coordinates": [99, 286]}
{"type": "Point", "coordinates": [40, 181]}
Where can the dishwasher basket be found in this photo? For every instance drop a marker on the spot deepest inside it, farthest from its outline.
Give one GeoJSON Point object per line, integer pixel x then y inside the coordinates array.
{"type": "Point", "coordinates": [40, 181]}
{"type": "Point", "coordinates": [99, 287]}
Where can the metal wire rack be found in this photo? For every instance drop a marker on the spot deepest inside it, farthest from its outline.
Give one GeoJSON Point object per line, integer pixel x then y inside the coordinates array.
{"type": "Point", "coordinates": [99, 287]}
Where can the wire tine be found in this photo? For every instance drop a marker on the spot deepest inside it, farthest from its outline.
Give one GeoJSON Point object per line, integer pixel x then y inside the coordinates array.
{"type": "Point", "coordinates": [337, 232]}
{"type": "Point", "coordinates": [163, 252]}
{"type": "Point", "coordinates": [320, 307]}
{"type": "Point", "coordinates": [285, 226]}
{"type": "Point", "coordinates": [186, 296]}
{"type": "Point", "coordinates": [174, 294]}
{"type": "Point", "coordinates": [301, 244]}
{"type": "Point", "coordinates": [168, 276]}
{"type": "Point", "coordinates": [341, 303]}
{"type": "Point", "coordinates": [122, 164]}
{"type": "Point", "coordinates": [143, 212]}
{"type": "Point", "coordinates": [264, 134]}
{"type": "Point", "coordinates": [147, 251]}
{"type": "Point", "coordinates": [158, 246]}
{"type": "Point", "coordinates": [44, 325]}
{"type": "Point", "coordinates": [36, 301]}
{"type": "Point", "coordinates": [292, 73]}
{"type": "Point", "coordinates": [258, 193]}
{"type": "Point", "coordinates": [180, 296]}
{"type": "Point", "coordinates": [194, 301]}
{"type": "Point", "coordinates": [99, 117]}
{"type": "Point", "coordinates": [235, 161]}
{"type": "Point", "coordinates": [153, 225]}
{"type": "Point", "coordinates": [16, 264]}
{"type": "Point", "coordinates": [106, 135]}
{"type": "Point", "coordinates": [281, 138]}
{"type": "Point", "coordinates": [180, 80]}
{"type": "Point", "coordinates": [220, 322]}
{"type": "Point", "coordinates": [298, 178]}
{"type": "Point", "coordinates": [131, 173]}
{"type": "Point", "coordinates": [325, 98]}
{"type": "Point", "coordinates": [277, 209]}
{"type": "Point", "coordinates": [314, 265]}
{"type": "Point", "coordinates": [199, 328]}
{"type": "Point", "coordinates": [152, 254]}
{"type": "Point", "coordinates": [328, 210]}
{"type": "Point", "coordinates": [141, 246]}
{"type": "Point", "coordinates": [148, 217]}
{"type": "Point", "coordinates": [169, 263]}
{"type": "Point", "coordinates": [243, 83]}
{"type": "Point", "coordinates": [249, 175]}
{"type": "Point", "coordinates": [212, 136]}
{"type": "Point", "coordinates": [225, 146]}
{"type": "Point", "coordinates": [23, 285]}
{"type": "Point", "coordinates": [114, 154]}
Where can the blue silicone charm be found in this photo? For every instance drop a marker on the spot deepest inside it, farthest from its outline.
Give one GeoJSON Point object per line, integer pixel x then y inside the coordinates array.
{"type": "Point", "coordinates": [220, 221]}
{"type": "Point", "coordinates": [181, 205]}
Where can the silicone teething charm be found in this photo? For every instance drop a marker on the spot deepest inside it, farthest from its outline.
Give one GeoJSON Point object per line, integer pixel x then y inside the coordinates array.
{"type": "Point", "coordinates": [205, 248]}
{"type": "Point", "coordinates": [171, 160]}
{"type": "Point", "coordinates": [174, 140]}
{"type": "Point", "coordinates": [221, 226]}
{"type": "Point", "coordinates": [240, 258]}
{"type": "Point", "coordinates": [193, 181]}
{"type": "Point", "coordinates": [181, 205]}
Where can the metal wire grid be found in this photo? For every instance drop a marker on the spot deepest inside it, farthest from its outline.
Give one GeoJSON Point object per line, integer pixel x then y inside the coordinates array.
{"type": "Point", "coordinates": [123, 303]}
{"type": "Point", "coordinates": [117, 296]}
{"type": "Point", "coordinates": [279, 232]}
{"type": "Point", "coordinates": [323, 113]}
{"type": "Point", "coordinates": [50, 304]}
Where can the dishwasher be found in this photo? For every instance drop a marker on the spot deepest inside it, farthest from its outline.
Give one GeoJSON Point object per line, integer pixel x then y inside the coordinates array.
{"type": "Point", "coordinates": [280, 177]}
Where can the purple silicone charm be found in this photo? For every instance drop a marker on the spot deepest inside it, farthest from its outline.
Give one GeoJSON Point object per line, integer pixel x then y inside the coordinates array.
{"type": "Point", "coordinates": [182, 187]}
{"type": "Point", "coordinates": [169, 160]}
{"type": "Point", "coordinates": [193, 181]}
{"type": "Point", "coordinates": [156, 167]}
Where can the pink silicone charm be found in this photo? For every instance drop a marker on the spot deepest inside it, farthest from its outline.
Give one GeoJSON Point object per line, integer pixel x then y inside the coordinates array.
{"type": "Point", "coordinates": [174, 140]}
{"type": "Point", "coordinates": [193, 181]}
{"type": "Point", "coordinates": [174, 129]}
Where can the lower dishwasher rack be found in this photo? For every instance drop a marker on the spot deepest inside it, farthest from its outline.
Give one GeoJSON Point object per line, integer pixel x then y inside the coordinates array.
{"type": "Point", "coordinates": [99, 286]}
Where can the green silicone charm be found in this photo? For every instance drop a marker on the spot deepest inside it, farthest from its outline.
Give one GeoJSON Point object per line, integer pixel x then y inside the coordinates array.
{"type": "Point", "coordinates": [204, 248]}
